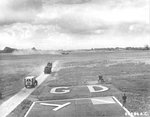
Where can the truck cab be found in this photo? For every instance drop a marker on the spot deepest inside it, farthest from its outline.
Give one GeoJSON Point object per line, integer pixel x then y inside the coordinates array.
{"type": "Point", "coordinates": [30, 81]}
{"type": "Point", "coordinates": [48, 68]}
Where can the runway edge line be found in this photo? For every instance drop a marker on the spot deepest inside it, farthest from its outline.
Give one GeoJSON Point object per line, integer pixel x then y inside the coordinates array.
{"type": "Point", "coordinates": [127, 111]}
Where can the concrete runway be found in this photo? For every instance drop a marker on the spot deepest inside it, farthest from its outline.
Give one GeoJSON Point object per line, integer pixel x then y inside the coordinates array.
{"type": "Point", "coordinates": [69, 102]}
{"type": "Point", "coordinates": [80, 107]}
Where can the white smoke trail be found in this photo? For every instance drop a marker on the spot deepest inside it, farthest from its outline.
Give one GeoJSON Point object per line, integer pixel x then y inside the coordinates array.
{"type": "Point", "coordinates": [56, 66]}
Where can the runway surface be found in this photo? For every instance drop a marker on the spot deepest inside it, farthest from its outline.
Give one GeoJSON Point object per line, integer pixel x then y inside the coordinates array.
{"type": "Point", "coordinates": [80, 107]}
{"type": "Point", "coordinates": [69, 101]}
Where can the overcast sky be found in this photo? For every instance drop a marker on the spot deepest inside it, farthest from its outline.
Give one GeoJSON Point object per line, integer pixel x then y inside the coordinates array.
{"type": "Point", "coordinates": [74, 24]}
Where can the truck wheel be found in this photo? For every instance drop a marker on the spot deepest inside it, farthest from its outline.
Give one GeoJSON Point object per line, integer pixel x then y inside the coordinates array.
{"type": "Point", "coordinates": [36, 83]}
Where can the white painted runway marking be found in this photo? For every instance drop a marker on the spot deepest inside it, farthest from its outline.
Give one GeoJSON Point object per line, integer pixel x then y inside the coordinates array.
{"type": "Point", "coordinates": [30, 109]}
{"type": "Point", "coordinates": [8, 106]}
{"type": "Point", "coordinates": [76, 99]}
{"type": "Point", "coordinates": [67, 90]}
{"type": "Point", "coordinates": [102, 100]}
{"type": "Point", "coordinates": [58, 106]}
{"type": "Point", "coordinates": [91, 88]}
{"type": "Point", "coordinates": [126, 110]}
{"type": "Point", "coordinates": [53, 90]}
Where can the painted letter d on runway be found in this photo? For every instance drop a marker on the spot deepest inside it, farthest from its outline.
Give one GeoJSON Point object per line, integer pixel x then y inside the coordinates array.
{"type": "Point", "coordinates": [92, 89]}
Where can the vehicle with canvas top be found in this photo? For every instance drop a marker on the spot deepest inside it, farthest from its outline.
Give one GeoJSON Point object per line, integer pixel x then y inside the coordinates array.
{"type": "Point", "coordinates": [48, 68]}
{"type": "Point", "coordinates": [30, 81]}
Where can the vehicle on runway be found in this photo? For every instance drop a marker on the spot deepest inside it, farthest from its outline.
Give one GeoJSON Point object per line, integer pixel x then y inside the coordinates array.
{"type": "Point", "coordinates": [48, 68]}
{"type": "Point", "coordinates": [30, 82]}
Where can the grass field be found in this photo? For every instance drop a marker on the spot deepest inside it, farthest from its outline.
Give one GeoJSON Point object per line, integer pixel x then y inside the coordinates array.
{"type": "Point", "coordinates": [127, 72]}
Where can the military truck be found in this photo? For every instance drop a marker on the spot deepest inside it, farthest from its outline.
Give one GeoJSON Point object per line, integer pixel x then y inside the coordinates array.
{"type": "Point", "coordinates": [48, 68]}
{"type": "Point", "coordinates": [30, 81]}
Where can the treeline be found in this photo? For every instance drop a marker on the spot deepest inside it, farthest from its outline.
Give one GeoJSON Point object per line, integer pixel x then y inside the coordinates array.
{"type": "Point", "coordinates": [146, 47]}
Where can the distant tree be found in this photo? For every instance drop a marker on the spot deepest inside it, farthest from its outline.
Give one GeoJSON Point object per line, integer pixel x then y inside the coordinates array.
{"type": "Point", "coordinates": [146, 47]}
{"type": "Point", "coordinates": [34, 49]}
{"type": "Point", "coordinates": [8, 50]}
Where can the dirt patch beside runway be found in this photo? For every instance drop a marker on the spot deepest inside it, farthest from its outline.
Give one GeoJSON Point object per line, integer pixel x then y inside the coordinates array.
{"type": "Point", "coordinates": [21, 109]}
